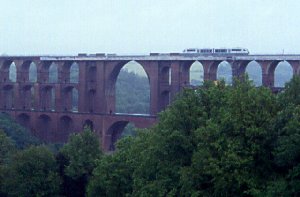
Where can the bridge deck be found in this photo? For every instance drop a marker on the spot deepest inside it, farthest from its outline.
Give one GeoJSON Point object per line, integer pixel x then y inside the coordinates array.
{"type": "Point", "coordinates": [166, 57]}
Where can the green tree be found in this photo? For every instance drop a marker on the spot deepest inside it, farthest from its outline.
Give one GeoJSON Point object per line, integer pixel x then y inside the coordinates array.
{"type": "Point", "coordinates": [113, 174]}
{"type": "Point", "coordinates": [233, 151]}
{"type": "Point", "coordinates": [32, 172]}
{"type": "Point", "coordinates": [21, 136]}
{"type": "Point", "coordinates": [7, 149]}
{"type": "Point", "coordinates": [78, 159]}
{"type": "Point", "coordinates": [287, 149]}
{"type": "Point", "coordinates": [215, 140]}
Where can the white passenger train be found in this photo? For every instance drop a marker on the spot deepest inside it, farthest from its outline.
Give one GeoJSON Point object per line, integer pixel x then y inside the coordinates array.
{"type": "Point", "coordinates": [216, 51]}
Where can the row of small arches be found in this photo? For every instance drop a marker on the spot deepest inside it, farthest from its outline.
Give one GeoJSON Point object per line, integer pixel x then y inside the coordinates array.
{"type": "Point", "coordinates": [52, 73]}
{"type": "Point", "coordinates": [44, 130]}
{"type": "Point", "coordinates": [47, 101]}
{"type": "Point", "coordinates": [282, 74]}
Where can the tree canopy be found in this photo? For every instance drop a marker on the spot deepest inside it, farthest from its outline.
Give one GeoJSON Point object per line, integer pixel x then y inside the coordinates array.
{"type": "Point", "coordinates": [215, 140]}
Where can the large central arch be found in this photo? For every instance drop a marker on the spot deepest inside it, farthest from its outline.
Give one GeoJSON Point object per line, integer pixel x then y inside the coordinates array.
{"type": "Point", "coordinates": [139, 79]}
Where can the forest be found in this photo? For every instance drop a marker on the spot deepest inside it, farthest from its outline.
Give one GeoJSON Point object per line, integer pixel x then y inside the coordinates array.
{"type": "Point", "coordinates": [238, 140]}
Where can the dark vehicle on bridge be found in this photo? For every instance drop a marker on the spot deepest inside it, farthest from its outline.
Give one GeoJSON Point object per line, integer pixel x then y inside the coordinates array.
{"type": "Point", "coordinates": [216, 51]}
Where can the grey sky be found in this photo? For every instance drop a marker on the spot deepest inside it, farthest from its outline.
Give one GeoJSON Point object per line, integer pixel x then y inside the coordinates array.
{"type": "Point", "coordinates": [140, 26]}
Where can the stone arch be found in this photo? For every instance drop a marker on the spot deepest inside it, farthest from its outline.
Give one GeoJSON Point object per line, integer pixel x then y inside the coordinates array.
{"type": "Point", "coordinates": [224, 71]}
{"type": "Point", "coordinates": [53, 73]}
{"type": "Point", "coordinates": [211, 68]}
{"type": "Point", "coordinates": [8, 97]}
{"type": "Point", "coordinates": [196, 73]}
{"type": "Point", "coordinates": [115, 132]}
{"type": "Point", "coordinates": [32, 104]}
{"type": "Point", "coordinates": [28, 72]}
{"type": "Point", "coordinates": [137, 97]}
{"type": "Point", "coordinates": [44, 127]}
{"type": "Point", "coordinates": [8, 71]}
{"type": "Point", "coordinates": [70, 101]}
{"type": "Point", "coordinates": [88, 123]}
{"type": "Point", "coordinates": [24, 120]}
{"type": "Point", "coordinates": [47, 98]}
{"type": "Point", "coordinates": [91, 100]}
{"type": "Point", "coordinates": [283, 73]}
{"type": "Point", "coordinates": [32, 73]}
{"type": "Point", "coordinates": [5, 70]}
{"type": "Point", "coordinates": [66, 126]}
{"type": "Point", "coordinates": [12, 72]}
{"type": "Point", "coordinates": [28, 100]}
{"type": "Point", "coordinates": [75, 97]}
{"type": "Point", "coordinates": [254, 72]}
{"type": "Point", "coordinates": [74, 73]}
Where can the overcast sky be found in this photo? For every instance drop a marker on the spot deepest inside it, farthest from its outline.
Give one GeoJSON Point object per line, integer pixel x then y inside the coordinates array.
{"type": "Point", "coordinates": [142, 26]}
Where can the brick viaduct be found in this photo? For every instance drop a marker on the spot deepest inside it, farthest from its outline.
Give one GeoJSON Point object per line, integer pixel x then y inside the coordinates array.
{"type": "Point", "coordinates": [44, 102]}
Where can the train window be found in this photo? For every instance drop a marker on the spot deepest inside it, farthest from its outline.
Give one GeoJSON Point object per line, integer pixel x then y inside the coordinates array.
{"type": "Point", "coordinates": [221, 50]}
{"type": "Point", "coordinates": [236, 49]}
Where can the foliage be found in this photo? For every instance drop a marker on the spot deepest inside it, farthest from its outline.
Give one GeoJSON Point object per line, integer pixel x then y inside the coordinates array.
{"type": "Point", "coordinates": [7, 148]}
{"type": "Point", "coordinates": [17, 133]}
{"type": "Point", "coordinates": [32, 172]}
{"type": "Point", "coordinates": [216, 140]}
{"type": "Point", "coordinates": [77, 160]}
{"type": "Point", "coordinates": [113, 174]}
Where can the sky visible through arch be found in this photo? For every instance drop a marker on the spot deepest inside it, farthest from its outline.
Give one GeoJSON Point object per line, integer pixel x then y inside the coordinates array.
{"type": "Point", "coordinates": [68, 27]}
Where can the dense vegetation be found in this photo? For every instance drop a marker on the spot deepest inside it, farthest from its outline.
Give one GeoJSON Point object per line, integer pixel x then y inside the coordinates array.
{"type": "Point", "coordinates": [228, 141]}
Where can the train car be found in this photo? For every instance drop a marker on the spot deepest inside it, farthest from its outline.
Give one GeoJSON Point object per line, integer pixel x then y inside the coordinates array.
{"type": "Point", "coordinates": [191, 50]}
{"type": "Point", "coordinates": [216, 51]}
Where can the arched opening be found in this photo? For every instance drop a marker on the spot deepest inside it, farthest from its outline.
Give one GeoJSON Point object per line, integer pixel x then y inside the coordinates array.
{"type": "Point", "coordinates": [52, 106]}
{"type": "Point", "coordinates": [196, 74]}
{"type": "Point", "coordinates": [48, 98]}
{"type": "Point", "coordinates": [224, 72]}
{"type": "Point", "coordinates": [66, 127]}
{"type": "Point", "coordinates": [53, 73]}
{"type": "Point", "coordinates": [74, 73]}
{"type": "Point", "coordinates": [32, 73]}
{"type": "Point", "coordinates": [283, 73]}
{"type": "Point", "coordinates": [12, 72]}
{"type": "Point", "coordinates": [92, 73]}
{"type": "Point", "coordinates": [24, 120]}
{"type": "Point", "coordinates": [70, 101]}
{"type": "Point", "coordinates": [118, 130]}
{"type": "Point", "coordinates": [166, 77]}
{"type": "Point", "coordinates": [43, 127]}
{"type": "Point", "coordinates": [32, 100]}
{"type": "Point", "coordinates": [132, 90]}
{"type": "Point", "coordinates": [170, 76]}
{"type": "Point", "coordinates": [27, 102]}
{"type": "Point", "coordinates": [88, 124]}
{"type": "Point", "coordinates": [254, 73]}
{"type": "Point", "coordinates": [74, 100]}
{"type": "Point", "coordinates": [91, 100]}
{"type": "Point", "coordinates": [8, 97]}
